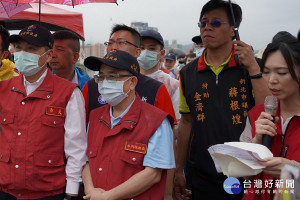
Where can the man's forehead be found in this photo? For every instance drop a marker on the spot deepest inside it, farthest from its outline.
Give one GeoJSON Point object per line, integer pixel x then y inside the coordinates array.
{"type": "Point", "coordinates": [121, 34]}
{"type": "Point", "coordinates": [215, 13]}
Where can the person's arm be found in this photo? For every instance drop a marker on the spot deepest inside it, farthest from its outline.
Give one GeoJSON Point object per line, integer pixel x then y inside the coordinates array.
{"type": "Point", "coordinates": [75, 141]}
{"type": "Point", "coordinates": [88, 181]}
{"type": "Point", "coordinates": [184, 130]}
{"type": "Point", "coordinates": [246, 56]}
{"type": "Point", "coordinates": [175, 102]}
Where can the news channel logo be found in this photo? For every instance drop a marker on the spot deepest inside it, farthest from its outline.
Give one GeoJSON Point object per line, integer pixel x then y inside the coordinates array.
{"type": "Point", "coordinates": [232, 186]}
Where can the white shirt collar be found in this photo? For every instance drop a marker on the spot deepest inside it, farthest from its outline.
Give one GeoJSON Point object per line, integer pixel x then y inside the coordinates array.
{"type": "Point", "coordinates": [31, 87]}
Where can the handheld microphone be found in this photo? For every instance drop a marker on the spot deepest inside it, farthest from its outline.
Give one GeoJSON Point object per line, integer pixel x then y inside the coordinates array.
{"type": "Point", "coordinates": [270, 107]}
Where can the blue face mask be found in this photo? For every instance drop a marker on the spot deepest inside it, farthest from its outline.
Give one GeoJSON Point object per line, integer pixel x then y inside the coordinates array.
{"type": "Point", "coordinates": [199, 52]}
{"type": "Point", "coordinates": [148, 59]}
{"type": "Point", "coordinates": [27, 63]}
{"type": "Point", "coordinates": [112, 91]}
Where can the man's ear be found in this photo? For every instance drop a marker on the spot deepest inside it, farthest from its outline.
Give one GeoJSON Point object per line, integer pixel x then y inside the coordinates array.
{"type": "Point", "coordinates": [134, 81]}
{"type": "Point", "coordinates": [162, 53]}
{"type": "Point", "coordinates": [49, 55]}
{"type": "Point", "coordinates": [76, 57]}
{"type": "Point", "coordinates": [232, 32]}
{"type": "Point", "coordinates": [138, 52]}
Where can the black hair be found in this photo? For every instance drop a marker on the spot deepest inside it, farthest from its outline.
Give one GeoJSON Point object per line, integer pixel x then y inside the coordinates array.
{"type": "Point", "coordinates": [122, 27]}
{"type": "Point", "coordinates": [191, 55]}
{"type": "Point", "coordinates": [289, 46]}
{"type": "Point", "coordinates": [4, 35]}
{"type": "Point", "coordinates": [216, 4]}
{"type": "Point", "coordinates": [68, 35]}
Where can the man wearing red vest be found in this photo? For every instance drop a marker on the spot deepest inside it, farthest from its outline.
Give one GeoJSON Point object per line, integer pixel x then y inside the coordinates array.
{"type": "Point", "coordinates": [43, 137]}
{"type": "Point", "coordinates": [130, 142]}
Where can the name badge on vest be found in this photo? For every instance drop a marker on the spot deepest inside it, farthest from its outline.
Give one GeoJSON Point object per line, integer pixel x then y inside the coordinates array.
{"type": "Point", "coordinates": [136, 147]}
{"type": "Point", "coordinates": [55, 111]}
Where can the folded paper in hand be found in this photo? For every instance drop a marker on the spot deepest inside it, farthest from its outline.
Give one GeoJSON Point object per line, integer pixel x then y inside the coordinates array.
{"type": "Point", "coordinates": [238, 159]}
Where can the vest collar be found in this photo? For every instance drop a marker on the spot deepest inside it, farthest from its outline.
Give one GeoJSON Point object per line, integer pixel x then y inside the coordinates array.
{"type": "Point", "coordinates": [202, 65]}
{"type": "Point", "coordinates": [44, 91]}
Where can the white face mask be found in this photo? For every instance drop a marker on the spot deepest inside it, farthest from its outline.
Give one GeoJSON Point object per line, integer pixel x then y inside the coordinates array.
{"type": "Point", "coordinates": [27, 63]}
{"type": "Point", "coordinates": [147, 59]}
{"type": "Point", "coordinates": [112, 91]}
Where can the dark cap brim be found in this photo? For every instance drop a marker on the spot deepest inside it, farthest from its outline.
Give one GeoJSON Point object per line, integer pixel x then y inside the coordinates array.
{"type": "Point", "coordinates": [14, 39]}
{"type": "Point", "coordinates": [169, 58]}
{"type": "Point", "coordinates": [94, 63]}
{"type": "Point", "coordinates": [26, 38]}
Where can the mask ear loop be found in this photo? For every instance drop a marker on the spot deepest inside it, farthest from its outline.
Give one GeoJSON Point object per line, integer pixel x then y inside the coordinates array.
{"type": "Point", "coordinates": [42, 56]}
{"type": "Point", "coordinates": [129, 88]}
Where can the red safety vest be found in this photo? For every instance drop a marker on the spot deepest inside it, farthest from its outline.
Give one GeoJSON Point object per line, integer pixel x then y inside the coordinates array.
{"type": "Point", "coordinates": [117, 154]}
{"type": "Point", "coordinates": [32, 159]}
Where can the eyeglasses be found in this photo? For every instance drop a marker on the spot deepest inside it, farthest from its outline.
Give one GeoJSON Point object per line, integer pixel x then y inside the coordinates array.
{"type": "Point", "coordinates": [215, 23]}
{"type": "Point", "coordinates": [119, 42]}
{"type": "Point", "coordinates": [110, 77]}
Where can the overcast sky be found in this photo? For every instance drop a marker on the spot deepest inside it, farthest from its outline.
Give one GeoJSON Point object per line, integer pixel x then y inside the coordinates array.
{"type": "Point", "coordinates": [177, 19]}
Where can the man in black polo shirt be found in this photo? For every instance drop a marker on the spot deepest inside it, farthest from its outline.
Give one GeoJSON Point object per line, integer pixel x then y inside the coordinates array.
{"type": "Point", "coordinates": [215, 94]}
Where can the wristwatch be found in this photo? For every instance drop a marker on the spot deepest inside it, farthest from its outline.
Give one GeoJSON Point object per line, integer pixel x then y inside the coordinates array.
{"type": "Point", "coordinates": [68, 197]}
{"type": "Point", "coordinates": [256, 76]}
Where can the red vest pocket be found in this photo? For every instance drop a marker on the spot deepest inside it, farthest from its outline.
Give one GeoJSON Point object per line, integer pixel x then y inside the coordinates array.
{"type": "Point", "coordinates": [92, 152]}
{"type": "Point", "coordinates": [132, 158]}
{"type": "Point", "coordinates": [41, 159]}
{"type": "Point", "coordinates": [7, 118]}
{"type": "Point", "coordinates": [53, 121]}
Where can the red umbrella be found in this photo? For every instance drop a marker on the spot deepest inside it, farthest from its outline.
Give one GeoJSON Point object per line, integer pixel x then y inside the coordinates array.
{"type": "Point", "coordinates": [51, 19]}
{"type": "Point", "coordinates": [8, 9]}
{"type": "Point", "coordinates": [62, 2]}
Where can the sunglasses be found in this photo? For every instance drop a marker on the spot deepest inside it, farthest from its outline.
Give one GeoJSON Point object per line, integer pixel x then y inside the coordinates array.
{"type": "Point", "coordinates": [215, 23]}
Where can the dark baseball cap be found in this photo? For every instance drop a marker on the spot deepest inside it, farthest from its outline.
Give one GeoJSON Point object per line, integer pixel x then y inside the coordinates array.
{"type": "Point", "coordinates": [154, 35]}
{"type": "Point", "coordinates": [117, 59]}
{"type": "Point", "coordinates": [197, 39]}
{"type": "Point", "coordinates": [34, 34]}
{"type": "Point", "coordinates": [170, 56]}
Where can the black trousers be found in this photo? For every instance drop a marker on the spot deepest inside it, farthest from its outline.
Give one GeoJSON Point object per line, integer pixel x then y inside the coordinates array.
{"type": "Point", "coordinates": [205, 188]}
{"type": "Point", "coordinates": [6, 196]}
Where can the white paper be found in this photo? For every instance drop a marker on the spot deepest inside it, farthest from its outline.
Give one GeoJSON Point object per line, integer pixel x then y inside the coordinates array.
{"type": "Point", "coordinates": [238, 159]}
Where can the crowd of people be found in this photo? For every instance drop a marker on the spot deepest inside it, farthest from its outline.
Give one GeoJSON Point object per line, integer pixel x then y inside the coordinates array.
{"type": "Point", "coordinates": [140, 128]}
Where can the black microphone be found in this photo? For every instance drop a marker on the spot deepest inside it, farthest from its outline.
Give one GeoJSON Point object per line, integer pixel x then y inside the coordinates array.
{"type": "Point", "coordinates": [270, 107]}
